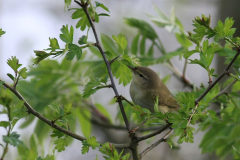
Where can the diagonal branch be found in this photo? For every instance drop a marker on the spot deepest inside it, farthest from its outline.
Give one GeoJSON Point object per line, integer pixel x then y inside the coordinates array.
{"type": "Point", "coordinates": [155, 144]}
{"type": "Point", "coordinates": [98, 45]}
{"type": "Point", "coordinates": [154, 133]}
{"type": "Point", "coordinates": [226, 71]}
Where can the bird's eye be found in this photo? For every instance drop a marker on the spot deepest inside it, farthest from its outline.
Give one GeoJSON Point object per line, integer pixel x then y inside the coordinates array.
{"type": "Point", "coordinates": [140, 75]}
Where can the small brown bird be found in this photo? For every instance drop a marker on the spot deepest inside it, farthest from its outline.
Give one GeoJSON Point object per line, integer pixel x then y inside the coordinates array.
{"type": "Point", "coordinates": [146, 86]}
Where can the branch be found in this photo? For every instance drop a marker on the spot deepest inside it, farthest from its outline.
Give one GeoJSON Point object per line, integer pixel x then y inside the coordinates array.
{"type": "Point", "coordinates": [226, 71]}
{"type": "Point", "coordinates": [154, 133]}
{"type": "Point", "coordinates": [85, 8]}
{"type": "Point", "coordinates": [50, 123]}
{"type": "Point", "coordinates": [155, 144]}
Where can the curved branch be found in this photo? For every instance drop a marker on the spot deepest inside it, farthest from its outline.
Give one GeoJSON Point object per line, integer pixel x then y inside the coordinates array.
{"type": "Point", "coordinates": [50, 123]}
{"type": "Point", "coordinates": [84, 7]}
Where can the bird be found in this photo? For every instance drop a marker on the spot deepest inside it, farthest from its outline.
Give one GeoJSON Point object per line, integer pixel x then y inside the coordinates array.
{"type": "Point", "coordinates": [146, 86]}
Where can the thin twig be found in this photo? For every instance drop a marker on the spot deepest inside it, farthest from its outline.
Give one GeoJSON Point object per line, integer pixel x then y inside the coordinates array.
{"type": "Point", "coordinates": [114, 59]}
{"type": "Point", "coordinates": [85, 9]}
{"type": "Point", "coordinates": [224, 91]}
{"type": "Point", "coordinates": [155, 144]}
{"type": "Point", "coordinates": [154, 133]}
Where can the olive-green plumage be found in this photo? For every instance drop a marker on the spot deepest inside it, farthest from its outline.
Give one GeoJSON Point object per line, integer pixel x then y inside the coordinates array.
{"type": "Point", "coordinates": [146, 85]}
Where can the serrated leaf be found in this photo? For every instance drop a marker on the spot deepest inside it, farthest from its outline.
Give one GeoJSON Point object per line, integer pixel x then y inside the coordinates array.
{"type": "Point", "coordinates": [82, 40]}
{"type": "Point", "coordinates": [23, 72]}
{"type": "Point", "coordinates": [14, 63]}
{"type": "Point", "coordinates": [61, 144]}
{"type": "Point", "coordinates": [67, 35]}
{"type": "Point", "coordinates": [13, 139]}
{"type": "Point", "coordinates": [54, 44]}
{"type": "Point", "coordinates": [75, 50]}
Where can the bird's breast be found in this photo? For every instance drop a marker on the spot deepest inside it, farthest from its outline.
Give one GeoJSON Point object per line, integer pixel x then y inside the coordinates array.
{"type": "Point", "coordinates": [141, 97]}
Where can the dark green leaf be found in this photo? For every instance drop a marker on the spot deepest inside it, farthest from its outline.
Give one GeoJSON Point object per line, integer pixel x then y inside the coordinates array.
{"type": "Point", "coordinates": [144, 28]}
{"type": "Point", "coordinates": [75, 50]}
{"type": "Point", "coordinates": [10, 76]}
{"type": "Point", "coordinates": [12, 139]}
{"type": "Point", "coordinates": [4, 124]}
{"type": "Point", "coordinates": [142, 45]}
{"type": "Point", "coordinates": [103, 14]}
{"type": "Point", "coordinates": [150, 51]}
{"type": "Point", "coordinates": [102, 6]}
{"type": "Point", "coordinates": [134, 47]}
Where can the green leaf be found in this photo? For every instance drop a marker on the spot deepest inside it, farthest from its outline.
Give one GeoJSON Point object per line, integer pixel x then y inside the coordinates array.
{"type": "Point", "coordinates": [13, 139]}
{"type": "Point", "coordinates": [61, 143]}
{"type": "Point", "coordinates": [103, 14]}
{"type": "Point", "coordinates": [134, 47]}
{"type": "Point", "coordinates": [84, 117]}
{"type": "Point", "coordinates": [48, 157]}
{"type": "Point", "coordinates": [4, 124]}
{"type": "Point", "coordinates": [122, 72]}
{"type": "Point", "coordinates": [14, 63]}
{"type": "Point", "coordinates": [54, 44]}
{"type": "Point", "coordinates": [199, 62]}
{"type": "Point", "coordinates": [109, 45]}
{"type": "Point", "coordinates": [144, 28]}
{"type": "Point", "coordinates": [11, 76]}
{"type": "Point", "coordinates": [142, 45]}
{"type": "Point", "coordinates": [2, 32]}
{"type": "Point", "coordinates": [150, 51]}
{"type": "Point", "coordinates": [189, 53]}
{"type": "Point", "coordinates": [82, 40]}
{"type": "Point", "coordinates": [91, 87]}
{"type": "Point", "coordinates": [183, 40]}
{"type": "Point", "coordinates": [121, 41]}
{"type": "Point", "coordinates": [102, 6]}
{"type": "Point", "coordinates": [104, 111]}
{"type": "Point", "coordinates": [166, 78]}
{"type": "Point", "coordinates": [78, 13]}
{"type": "Point", "coordinates": [23, 72]}
{"type": "Point", "coordinates": [75, 50]}
{"type": "Point", "coordinates": [67, 35]}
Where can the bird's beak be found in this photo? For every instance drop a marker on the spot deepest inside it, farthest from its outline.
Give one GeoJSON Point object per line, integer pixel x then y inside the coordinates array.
{"type": "Point", "coordinates": [132, 68]}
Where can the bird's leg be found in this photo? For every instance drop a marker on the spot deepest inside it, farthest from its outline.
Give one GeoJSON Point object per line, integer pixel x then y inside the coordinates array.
{"type": "Point", "coordinates": [134, 130]}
